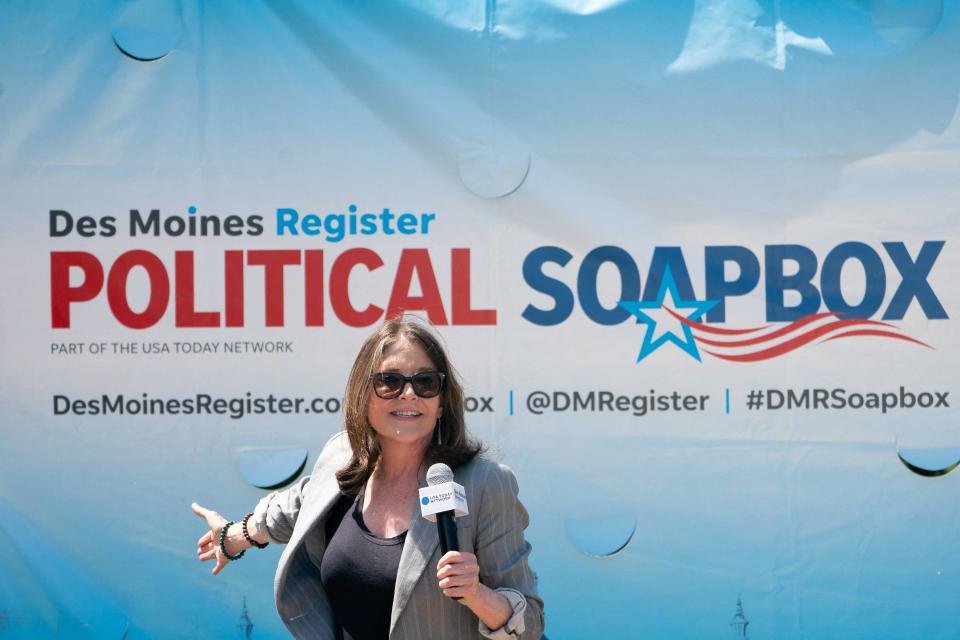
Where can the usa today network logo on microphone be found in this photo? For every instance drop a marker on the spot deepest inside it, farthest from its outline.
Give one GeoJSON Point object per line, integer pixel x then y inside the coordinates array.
{"type": "Point", "coordinates": [446, 496]}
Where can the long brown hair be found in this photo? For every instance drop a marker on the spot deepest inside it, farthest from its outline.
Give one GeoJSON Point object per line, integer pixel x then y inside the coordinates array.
{"type": "Point", "coordinates": [457, 446]}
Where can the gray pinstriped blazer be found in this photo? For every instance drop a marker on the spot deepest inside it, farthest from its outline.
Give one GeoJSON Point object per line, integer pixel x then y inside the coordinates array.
{"type": "Point", "coordinates": [493, 531]}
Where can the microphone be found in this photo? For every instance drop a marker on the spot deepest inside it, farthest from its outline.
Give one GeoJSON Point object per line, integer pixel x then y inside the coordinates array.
{"type": "Point", "coordinates": [439, 477]}
{"type": "Point", "coordinates": [441, 501]}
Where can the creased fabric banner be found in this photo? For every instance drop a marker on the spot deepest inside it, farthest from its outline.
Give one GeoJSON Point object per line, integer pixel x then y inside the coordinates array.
{"type": "Point", "coordinates": [695, 261]}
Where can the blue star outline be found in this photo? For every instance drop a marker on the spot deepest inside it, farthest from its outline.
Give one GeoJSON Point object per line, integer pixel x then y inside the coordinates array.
{"type": "Point", "coordinates": [687, 343]}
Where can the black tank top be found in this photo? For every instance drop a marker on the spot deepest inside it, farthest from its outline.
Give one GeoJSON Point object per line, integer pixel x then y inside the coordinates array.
{"type": "Point", "coordinates": [358, 571]}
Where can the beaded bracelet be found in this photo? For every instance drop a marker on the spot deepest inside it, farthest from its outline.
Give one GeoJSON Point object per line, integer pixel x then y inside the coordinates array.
{"type": "Point", "coordinates": [246, 533]}
{"type": "Point", "coordinates": [223, 548]}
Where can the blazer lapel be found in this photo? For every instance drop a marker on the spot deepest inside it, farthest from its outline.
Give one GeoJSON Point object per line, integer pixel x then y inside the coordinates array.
{"type": "Point", "coordinates": [320, 498]}
{"type": "Point", "coordinates": [422, 540]}
{"type": "Point", "coordinates": [316, 506]}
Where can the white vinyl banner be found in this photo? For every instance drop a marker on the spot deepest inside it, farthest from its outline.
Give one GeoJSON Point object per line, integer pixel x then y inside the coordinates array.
{"type": "Point", "coordinates": [695, 262]}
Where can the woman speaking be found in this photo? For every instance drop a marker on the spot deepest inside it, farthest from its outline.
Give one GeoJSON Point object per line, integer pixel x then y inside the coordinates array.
{"type": "Point", "coordinates": [360, 562]}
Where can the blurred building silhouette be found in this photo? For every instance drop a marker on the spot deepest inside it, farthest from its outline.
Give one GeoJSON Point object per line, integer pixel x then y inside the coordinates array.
{"type": "Point", "coordinates": [245, 624]}
{"type": "Point", "coordinates": [739, 623]}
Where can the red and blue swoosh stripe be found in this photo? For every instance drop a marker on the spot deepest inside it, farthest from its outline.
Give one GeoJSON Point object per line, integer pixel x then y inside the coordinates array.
{"type": "Point", "coordinates": [760, 343]}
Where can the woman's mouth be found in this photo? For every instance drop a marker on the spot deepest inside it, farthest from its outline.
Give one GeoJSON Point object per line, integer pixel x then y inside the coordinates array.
{"type": "Point", "coordinates": [406, 415]}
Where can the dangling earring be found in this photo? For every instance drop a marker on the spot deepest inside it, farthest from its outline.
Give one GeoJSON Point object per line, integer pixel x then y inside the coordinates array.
{"type": "Point", "coordinates": [439, 441]}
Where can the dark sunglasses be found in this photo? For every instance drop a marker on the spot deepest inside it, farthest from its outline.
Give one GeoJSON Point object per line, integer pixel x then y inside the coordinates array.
{"type": "Point", "coordinates": [389, 385]}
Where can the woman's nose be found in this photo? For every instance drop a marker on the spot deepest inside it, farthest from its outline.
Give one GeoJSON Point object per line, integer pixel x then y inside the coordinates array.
{"type": "Point", "coordinates": [408, 391]}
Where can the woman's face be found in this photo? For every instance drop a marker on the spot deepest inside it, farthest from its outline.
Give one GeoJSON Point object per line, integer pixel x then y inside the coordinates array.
{"type": "Point", "coordinates": [408, 418]}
